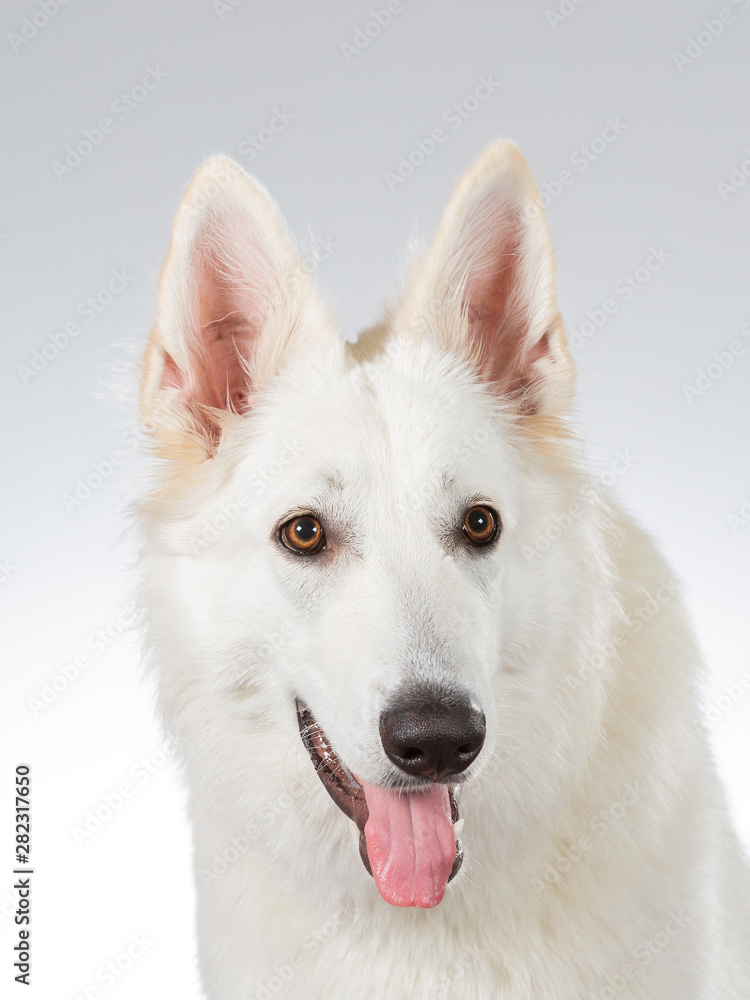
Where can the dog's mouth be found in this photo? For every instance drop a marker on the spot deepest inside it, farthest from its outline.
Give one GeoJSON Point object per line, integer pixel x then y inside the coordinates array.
{"type": "Point", "coordinates": [408, 838]}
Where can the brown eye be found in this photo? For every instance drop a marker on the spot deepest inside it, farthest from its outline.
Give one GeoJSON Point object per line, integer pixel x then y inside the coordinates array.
{"type": "Point", "coordinates": [481, 525]}
{"type": "Point", "coordinates": [303, 535]}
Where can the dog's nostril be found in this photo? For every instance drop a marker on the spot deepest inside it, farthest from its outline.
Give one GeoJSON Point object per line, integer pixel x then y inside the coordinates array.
{"type": "Point", "coordinates": [430, 737]}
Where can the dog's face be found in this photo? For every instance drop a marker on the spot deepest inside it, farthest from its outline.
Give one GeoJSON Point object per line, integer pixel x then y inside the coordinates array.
{"type": "Point", "coordinates": [348, 537]}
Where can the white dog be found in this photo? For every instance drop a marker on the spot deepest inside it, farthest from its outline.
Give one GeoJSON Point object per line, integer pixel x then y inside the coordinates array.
{"type": "Point", "coordinates": [382, 591]}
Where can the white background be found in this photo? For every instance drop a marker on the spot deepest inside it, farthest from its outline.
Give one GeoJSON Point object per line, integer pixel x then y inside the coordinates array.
{"type": "Point", "coordinates": [356, 113]}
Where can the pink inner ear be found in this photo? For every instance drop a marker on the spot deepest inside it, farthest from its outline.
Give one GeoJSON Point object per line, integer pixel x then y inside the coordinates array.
{"type": "Point", "coordinates": [496, 298]}
{"type": "Point", "coordinates": [231, 274]}
{"type": "Point", "coordinates": [230, 322]}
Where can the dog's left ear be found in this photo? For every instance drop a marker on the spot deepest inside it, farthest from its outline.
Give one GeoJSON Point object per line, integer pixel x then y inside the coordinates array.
{"type": "Point", "coordinates": [487, 285]}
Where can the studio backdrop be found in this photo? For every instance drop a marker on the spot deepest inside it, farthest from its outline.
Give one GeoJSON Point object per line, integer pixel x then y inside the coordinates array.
{"type": "Point", "coordinates": [359, 118]}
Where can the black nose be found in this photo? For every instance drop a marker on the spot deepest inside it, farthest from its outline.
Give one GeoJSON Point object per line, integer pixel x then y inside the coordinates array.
{"type": "Point", "coordinates": [432, 737]}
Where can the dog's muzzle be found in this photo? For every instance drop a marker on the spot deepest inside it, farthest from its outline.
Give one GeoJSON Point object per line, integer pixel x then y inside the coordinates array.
{"type": "Point", "coordinates": [421, 852]}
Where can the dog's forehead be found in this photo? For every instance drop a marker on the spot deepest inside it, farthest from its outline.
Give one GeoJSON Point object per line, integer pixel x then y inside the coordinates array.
{"type": "Point", "coordinates": [405, 420]}
{"type": "Point", "coordinates": [425, 419]}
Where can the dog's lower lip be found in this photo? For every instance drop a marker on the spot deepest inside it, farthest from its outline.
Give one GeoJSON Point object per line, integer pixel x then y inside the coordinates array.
{"type": "Point", "coordinates": [344, 787]}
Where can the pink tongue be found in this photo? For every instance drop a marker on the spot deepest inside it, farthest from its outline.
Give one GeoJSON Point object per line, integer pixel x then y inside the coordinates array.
{"type": "Point", "coordinates": [410, 844]}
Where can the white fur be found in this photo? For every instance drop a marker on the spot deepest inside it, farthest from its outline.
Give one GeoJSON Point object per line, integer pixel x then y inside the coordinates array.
{"type": "Point", "coordinates": [594, 821]}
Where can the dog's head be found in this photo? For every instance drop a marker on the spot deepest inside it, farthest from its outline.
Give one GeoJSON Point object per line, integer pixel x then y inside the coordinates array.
{"type": "Point", "coordinates": [380, 544]}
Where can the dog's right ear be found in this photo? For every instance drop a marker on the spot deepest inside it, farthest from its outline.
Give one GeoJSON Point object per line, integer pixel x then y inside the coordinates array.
{"type": "Point", "coordinates": [233, 297]}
